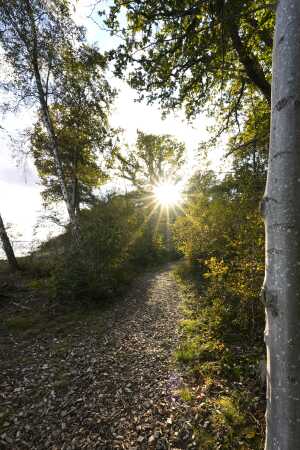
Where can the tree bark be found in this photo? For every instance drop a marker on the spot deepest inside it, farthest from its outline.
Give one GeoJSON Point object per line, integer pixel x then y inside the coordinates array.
{"type": "Point", "coordinates": [281, 210]}
{"type": "Point", "coordinates": [7, 247]}
{"type": "Point", "coordinates": [250, 63]}
{"type": "Point", "coordinates": [49, 126]}
{"type": "Point", "coordinates": [55, 150]}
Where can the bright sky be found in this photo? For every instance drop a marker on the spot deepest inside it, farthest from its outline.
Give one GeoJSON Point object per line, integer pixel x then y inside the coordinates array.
{"type": "Point", "coordinates": [20, 200]}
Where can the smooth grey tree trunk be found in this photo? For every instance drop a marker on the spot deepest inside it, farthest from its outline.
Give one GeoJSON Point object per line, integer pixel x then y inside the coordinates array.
{"type": "Point", "coordinates": [7, 247]}
{"type": "Point", "coordinates": [281, 210]}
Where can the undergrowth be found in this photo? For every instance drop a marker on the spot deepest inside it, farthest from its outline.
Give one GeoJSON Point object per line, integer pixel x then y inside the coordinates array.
{"type": "Point", "coordinates": [221, 364]}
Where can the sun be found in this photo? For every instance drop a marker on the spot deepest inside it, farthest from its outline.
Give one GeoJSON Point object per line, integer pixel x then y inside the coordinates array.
{"type": "Point", "coordinates": [167, 194]}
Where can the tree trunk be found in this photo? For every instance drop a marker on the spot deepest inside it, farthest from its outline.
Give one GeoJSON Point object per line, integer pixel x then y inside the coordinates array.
{"type": "Point", "coordinates": [49, 125]}
{"type": "Point", "coordinates": [75, 185]}
{"type": "Point", "coordinates": [55, 150]}
{"type": "Point", "coordinates": [7, 247]}
{"type": "Point", "coordinates": [281, 210]}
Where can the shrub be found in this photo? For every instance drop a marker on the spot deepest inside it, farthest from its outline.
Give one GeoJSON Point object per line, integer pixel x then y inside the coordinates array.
{"type": "Point", "coordinates": [116, 243]}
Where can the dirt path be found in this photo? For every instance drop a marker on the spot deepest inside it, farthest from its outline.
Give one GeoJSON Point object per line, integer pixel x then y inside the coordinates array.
{"type": "Point", "coordinates": [109, 384]}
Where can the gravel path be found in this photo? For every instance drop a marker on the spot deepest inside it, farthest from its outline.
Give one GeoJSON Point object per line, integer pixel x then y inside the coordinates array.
{"type": "Point", "coordinates": [109, 384]}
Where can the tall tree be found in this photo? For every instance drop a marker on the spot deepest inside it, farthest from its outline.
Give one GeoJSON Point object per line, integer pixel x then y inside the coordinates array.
{"type": "Point", "coordinates": [78, 157]}
{"type": "Point", "coordinates": [281, 209]}
{"type": "Point", "coordinates": [32, 35]}
{"type": "Point", "coordinates": [7, 247]}
{"type": "Point", "coordinates": [80, 121]}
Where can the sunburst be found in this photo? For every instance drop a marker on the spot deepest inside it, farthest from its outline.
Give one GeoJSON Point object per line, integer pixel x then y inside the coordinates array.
{"type": "Point", "coordinates": [167, 194]}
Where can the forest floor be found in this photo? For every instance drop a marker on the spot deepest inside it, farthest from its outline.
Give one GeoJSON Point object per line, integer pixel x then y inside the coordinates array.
{"type": "Point", "coordinates": [93, 378]}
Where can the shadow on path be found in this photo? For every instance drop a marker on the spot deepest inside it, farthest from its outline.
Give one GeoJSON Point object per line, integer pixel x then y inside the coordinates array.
{"type": "Point", "coordinates": [107, 389]}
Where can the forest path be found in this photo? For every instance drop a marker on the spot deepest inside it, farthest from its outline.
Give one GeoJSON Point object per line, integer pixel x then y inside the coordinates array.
{"type": "Point", "coordinates": [109, 384]}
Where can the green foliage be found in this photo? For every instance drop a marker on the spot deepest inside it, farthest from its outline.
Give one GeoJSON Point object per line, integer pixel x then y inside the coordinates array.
{"type": "Point", "coordinates": [20, 323]}
{"type": "Point", "coordinates": [38, 267]}
{"type": "Point", "coordinates": [32, 36]}
{"type": "Point", "coordinates": [223, 366]}
{"type": "Point", "coordinates": [222, 236]}
{"type": "Point", "coordinates": [116, 242]}
{"type": "Point", "coordinates": [186, 394]}
{"type": "Point", "coordinates": [190, 53]}
{"type": "Point", "coordinates": [80, 120]}
{"type": "Point", "coordinates": [154, 159]}
{"type": "Point", "coordinates": [195, 350]}
{"type": "Point", "coordinates": [222, 233]}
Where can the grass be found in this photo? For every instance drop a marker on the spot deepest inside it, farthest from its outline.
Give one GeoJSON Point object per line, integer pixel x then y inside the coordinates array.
{"type": "Point", "coordinates": [221, 369]}
{"type": "Point", "coordinates": [36, 323]}
{"type": "Point", "coordinates": [20, 323]}
{"type": "Point", "coordinates": [43, 314]}
{"type": "Point", "coordinates": [62, 380]}
{"type": "Point", "coordinates": [186, 394]}
{"type": "Point", "coordinates": [5, 415]}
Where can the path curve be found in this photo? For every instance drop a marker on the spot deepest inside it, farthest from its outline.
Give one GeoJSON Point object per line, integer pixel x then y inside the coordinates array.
{"type": "Point", "coordinates": [118, 389]}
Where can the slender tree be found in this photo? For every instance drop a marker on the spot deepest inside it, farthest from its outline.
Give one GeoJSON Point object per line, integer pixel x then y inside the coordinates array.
{"type": "Point", "coordinates": [80, 120]}
{"type": "Point", "coordinates": [32, 34]}
{"type": "Point", "coordinates": [79, 159]}
{"type": "Point", "coordinates": [281, 210]}
{"type": "Point", "coordinates": [7, 247]}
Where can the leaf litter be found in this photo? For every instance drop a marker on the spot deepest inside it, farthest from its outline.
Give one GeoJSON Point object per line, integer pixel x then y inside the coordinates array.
{"type": "Point", "coordinates": [107, 384]}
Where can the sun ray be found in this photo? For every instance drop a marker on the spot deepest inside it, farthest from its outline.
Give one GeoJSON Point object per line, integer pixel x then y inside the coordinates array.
{"type": "Point", "coordinates": [158, 219]}
{"type": "Point", "coordinates": [167, 194]}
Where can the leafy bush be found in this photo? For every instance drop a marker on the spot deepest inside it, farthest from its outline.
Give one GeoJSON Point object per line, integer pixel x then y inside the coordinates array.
{"type": "Point", "coordinates": [221, 359]}
{"type": "Point", "coordinates": [116, 243]}
{"type": "Point", "coordinates": [222, 235]}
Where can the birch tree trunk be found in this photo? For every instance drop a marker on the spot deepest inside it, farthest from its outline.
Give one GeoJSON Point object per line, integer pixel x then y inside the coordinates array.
{"type": "Point", "coordinates": [281, 210]}
{"type": "Point", "coordinates": [43, 100]}
{"type": "Point", "coordinates": [56, 154]}
{"type": "Point", "coordinates": [7, 247]}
